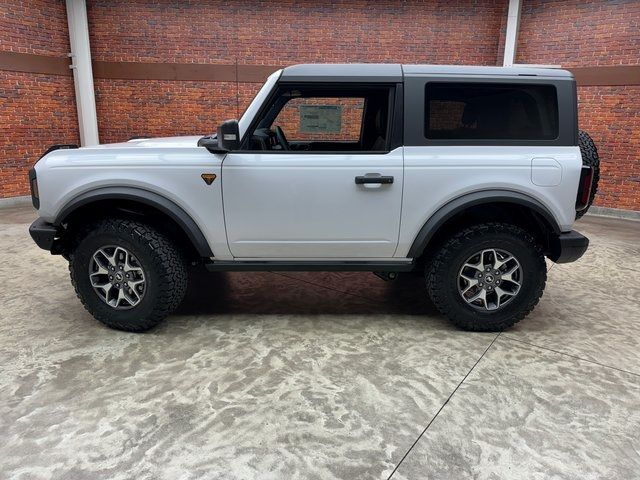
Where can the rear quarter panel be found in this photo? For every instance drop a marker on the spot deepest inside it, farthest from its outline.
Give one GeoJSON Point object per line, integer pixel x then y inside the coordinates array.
{"type": "Point", "coordinates": [436, 175]}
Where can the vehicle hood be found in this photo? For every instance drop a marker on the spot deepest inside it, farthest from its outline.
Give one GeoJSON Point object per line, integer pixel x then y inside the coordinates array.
{"type": "Point", "coordinates": [160, 142]}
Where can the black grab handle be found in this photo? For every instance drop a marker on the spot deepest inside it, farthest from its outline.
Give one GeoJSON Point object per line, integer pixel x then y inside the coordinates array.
{"type": "Point", "coordinates": [362, 179]}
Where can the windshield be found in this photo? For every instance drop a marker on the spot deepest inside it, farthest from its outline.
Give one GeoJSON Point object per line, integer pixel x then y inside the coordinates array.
{"type": "Point", "coordinates": [257, 101]}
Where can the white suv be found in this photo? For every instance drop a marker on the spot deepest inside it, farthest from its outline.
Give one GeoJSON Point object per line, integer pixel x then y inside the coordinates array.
{"type": "Point", "coordinates": [469, 175]}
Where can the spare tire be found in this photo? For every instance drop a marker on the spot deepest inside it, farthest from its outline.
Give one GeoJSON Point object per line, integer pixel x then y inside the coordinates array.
{"type": "Point", "coordinates": [590, 158]}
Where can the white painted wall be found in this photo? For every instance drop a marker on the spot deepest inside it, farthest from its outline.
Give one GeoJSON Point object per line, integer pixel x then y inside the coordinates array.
{"type": "Point", "coordinates": [511, 38]}
{"type": "Point", "coordinates": [82, 72]}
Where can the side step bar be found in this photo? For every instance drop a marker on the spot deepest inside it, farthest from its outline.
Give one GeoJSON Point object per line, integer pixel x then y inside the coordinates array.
{"type": "Point", "coordinates": [310, 266]}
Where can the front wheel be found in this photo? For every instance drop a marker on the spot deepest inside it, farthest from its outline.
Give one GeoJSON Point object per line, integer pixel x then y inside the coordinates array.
{"type": "Point", "coordinates": [487, 277]}
{"type": "Point", "coordinates": [127, 274]}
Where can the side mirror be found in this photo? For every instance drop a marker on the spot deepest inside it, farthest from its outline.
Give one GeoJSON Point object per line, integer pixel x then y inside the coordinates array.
{"type": "Point", "coordinates": [229, 136]}
{"type": "Point", "coordinates": [227, 139]}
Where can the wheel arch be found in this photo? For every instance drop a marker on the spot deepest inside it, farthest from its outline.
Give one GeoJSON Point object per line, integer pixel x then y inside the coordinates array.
{"type": "Point", "coordinates": [140, 201]}
{"type": "Point", "coordinates": [511, 202]}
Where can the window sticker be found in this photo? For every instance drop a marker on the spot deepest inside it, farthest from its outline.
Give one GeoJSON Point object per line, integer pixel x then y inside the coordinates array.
{"type": "Point", "coordinates": [320, 118]}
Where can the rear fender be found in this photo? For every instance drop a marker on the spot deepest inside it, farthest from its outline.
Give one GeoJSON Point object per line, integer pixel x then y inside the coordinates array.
{"type": "Point", "coordinates": [451, 209]}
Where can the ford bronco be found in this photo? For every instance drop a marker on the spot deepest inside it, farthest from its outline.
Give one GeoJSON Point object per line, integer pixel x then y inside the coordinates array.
{"type": "Point", "coordinates": [470, 176]}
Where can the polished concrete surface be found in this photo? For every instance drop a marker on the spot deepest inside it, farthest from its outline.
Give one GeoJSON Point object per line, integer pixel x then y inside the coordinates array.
{"type": "Point", "coordinates": [321, 376]}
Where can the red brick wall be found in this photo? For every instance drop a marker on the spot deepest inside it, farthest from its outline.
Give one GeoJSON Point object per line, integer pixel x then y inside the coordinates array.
{"type": "Point", "coordinates": [293, 31]}
{"type": "Point", "coordinates": [35, 110]}
{"type": "Point", "coordinates": [612, 116]}
{"type": "Point", "coordinates": [36, 26]}
{"type": "Point", "coordinates": [159, 108]}
{"type": "Point", "coordinates": [579, 33]}
{"type": "Point", "coordinates": [265, 33]}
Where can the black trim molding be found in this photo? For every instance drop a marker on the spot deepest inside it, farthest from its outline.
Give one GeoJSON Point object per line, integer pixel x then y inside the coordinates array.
{"type": "Point", "coordinates": [456, 206]}
{"type": "Point", "coordinates": [309, 266]}
{"type": "Point", "coordinates": [43, 233]}
{"type": "Point", "coordinates": [568, 247]}
{"type": "Point", "coordinates": [166, 206]}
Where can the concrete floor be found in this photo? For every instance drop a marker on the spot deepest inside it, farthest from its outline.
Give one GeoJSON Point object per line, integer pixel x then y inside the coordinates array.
{"type": "Point", "coordinates": [321, 376]}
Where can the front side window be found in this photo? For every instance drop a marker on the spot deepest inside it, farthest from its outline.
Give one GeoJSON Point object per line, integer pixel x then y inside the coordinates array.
{"type": "Point", "coordinates": [331, 119]}
{"type": "Point", "coordinates": [490, 111]}
{"type": "Point", "coordinates": [312, 119]}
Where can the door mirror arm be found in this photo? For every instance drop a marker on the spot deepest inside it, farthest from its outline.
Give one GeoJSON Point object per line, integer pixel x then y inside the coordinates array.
{"type": "Point", "coordinates": [210, 142]}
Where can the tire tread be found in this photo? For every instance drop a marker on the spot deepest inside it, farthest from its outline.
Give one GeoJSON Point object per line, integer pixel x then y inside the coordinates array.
{"type": "Point", "coordinates": [436, 283]}
{"type": "Point", "coordinates": [590, 158]}
{"type": "Point", "coordinates": [167, 258]}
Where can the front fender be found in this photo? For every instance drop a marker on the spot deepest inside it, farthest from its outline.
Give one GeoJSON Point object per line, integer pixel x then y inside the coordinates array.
{"type": "Point", "coordinates": [166, 206]}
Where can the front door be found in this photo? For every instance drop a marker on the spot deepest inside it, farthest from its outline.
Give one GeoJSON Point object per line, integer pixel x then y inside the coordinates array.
{"type": "Point", "coordinates": [317, 178]}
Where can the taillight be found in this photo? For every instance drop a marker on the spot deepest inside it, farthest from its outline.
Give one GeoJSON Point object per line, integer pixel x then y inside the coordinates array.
{"type": "Point", "coordinates": [33, 184]}
{"type": "Point", "coordinates": [584, 188]}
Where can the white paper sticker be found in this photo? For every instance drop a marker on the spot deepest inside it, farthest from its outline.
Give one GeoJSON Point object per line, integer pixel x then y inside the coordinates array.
{"type": "Point", "coordinates": [320, 118]}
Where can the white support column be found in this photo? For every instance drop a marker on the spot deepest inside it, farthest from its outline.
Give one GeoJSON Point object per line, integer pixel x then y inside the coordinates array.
{"type": "Point", "coordinates": [511, 37]}
{"type": "Point", "coordinates": [82, 72]}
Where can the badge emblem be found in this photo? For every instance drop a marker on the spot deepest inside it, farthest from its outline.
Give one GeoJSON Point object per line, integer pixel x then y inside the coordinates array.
{"type": "Point", "coordinates": [208, 178]}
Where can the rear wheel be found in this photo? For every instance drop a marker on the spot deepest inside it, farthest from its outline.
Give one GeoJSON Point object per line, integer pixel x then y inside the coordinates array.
{"type": "Point", "coordinates": [487, 277]}
{"type": "Point", "coordinates": [127, 274]}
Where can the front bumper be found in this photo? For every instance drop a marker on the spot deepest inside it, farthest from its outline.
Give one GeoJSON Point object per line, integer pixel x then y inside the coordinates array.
{"type": "Point", "coordinates": [44, 234]}
{"type": "Point", "coordinates": [568, 247]}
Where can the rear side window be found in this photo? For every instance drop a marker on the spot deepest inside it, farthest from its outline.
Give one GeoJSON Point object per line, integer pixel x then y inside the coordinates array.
{"type": "Point", "coordinates": [490, 111]}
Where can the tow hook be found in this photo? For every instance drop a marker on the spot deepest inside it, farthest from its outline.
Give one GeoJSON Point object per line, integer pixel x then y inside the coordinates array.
{"type": "Point", "coordinates": [386, 276]}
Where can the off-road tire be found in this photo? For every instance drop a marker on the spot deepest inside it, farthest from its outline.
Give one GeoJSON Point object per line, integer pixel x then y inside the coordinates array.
{"type": "Point", "coordinates": [164, 266]}
{"type": "Point", "coordinates": [590, 158]}
{"type": "Point", "coordinates": [443, 270]}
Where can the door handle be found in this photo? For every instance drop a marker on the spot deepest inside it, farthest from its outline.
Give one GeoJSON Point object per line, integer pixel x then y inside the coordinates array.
{"type": "Point", "coordinates": [381, 179]}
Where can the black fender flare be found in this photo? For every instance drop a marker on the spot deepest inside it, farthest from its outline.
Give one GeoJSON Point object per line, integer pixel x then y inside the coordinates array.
{"type": "Point", "coordinates": [459, 204]}
{"type": "Point", "coordinates": [163, 204]}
